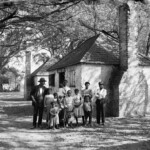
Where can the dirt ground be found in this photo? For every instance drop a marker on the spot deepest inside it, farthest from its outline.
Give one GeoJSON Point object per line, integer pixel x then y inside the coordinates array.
{"type": "Point", "coordinates": [117, 134]}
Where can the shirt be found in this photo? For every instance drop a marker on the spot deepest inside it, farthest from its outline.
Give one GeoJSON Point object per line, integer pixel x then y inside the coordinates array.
{"type": "Point", "coordinates": [66, 88]}
{"type": "Point", "coordinates": [69, 103]}
{"type": "Point", "coordinates": [101, 93]}
{"type": "Point", "coordinates": [87, 106]}
{"type": "Point", "coordinates": [61, 92]}
{"type": "Point", "coordinates": [87, 92]}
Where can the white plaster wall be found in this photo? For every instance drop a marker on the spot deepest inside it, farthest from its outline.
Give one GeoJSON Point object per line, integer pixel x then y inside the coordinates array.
{"type": "Point", "coordinates": [134, 88]}
{"type": "Point", "coordinates": [83, 73]}
{"type": "Point", "coordinates": [94, 74]}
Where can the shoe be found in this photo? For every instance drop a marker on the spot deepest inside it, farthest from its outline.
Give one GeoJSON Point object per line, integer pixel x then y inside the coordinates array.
{"type": "Point", "coordinates": [57, 127]}
{"type": "Point", "coordinates": [103, 124]}
{"type": "Point", "coordinates": [48, 127]}
{"type": "Point", "coordinates": [97, 124]}
{"type": "Point", "coordinates": [33, 127]}
{"type": "Point", "coordinates": [40, 126]}
{"type": "Point", "coordinates": [90, 125]}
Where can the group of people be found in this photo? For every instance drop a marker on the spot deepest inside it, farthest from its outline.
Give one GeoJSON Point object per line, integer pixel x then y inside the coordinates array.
{"type": "Point", "coordinates": [63, 107]}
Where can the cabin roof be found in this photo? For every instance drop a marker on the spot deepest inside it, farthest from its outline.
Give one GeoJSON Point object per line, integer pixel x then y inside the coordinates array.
{"type": "Point", "coordinates": [90, 51]}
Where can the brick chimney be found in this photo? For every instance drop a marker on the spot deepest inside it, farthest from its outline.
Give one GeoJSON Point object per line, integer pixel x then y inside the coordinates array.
{"type": "Point", "coordinates": [123, 36]}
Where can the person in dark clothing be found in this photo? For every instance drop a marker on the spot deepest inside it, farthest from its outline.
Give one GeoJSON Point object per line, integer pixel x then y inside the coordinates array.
{"type": "Point", "coordinates": [37, 96]}
{"type": "Point", "coordinates": [87, 106]}
{"type": "Point", "coordinates": [100, 103]}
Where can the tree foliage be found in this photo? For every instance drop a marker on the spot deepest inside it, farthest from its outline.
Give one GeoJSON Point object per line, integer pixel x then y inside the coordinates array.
{"type": "Point", "coordinates": [59, 25]}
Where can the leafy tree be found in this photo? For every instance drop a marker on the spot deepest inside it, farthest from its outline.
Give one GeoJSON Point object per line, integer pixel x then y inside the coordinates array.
{"type": "Point", "coordinates": [55, 25]}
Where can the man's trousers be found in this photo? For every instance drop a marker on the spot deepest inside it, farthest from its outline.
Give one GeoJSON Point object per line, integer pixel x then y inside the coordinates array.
{"type": "Point", "coordinates": [37, 110]}
{"type": "Point", "coordinates": [100, 111]}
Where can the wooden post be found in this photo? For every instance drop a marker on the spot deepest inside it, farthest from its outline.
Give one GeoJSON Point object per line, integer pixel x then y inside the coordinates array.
{"type": "Point", "coordinates": [27, 75]}
{"type": "Point", "coordinates": [123, 36]}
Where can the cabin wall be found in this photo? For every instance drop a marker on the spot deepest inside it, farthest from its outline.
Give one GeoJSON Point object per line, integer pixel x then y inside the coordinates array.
{"type": "Point", "coordinates": [94, 74]}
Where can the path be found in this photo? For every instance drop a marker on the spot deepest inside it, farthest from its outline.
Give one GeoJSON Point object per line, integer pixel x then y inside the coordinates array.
{"type": "Point", "coordinates": [118, 134]}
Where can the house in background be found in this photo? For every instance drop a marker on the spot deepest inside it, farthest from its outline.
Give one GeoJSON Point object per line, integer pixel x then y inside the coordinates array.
{"type": "Point", "coordinates": [11, 80]}
{"type": "Point", "coordinates": [90, 61]}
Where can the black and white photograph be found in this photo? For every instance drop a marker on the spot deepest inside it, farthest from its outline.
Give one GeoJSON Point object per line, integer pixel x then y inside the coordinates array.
{"type": "Point", "coordinates": [74, 74]}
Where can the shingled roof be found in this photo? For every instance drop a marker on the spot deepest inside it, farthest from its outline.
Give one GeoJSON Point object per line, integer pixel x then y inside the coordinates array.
{"type": "Point", "coordinates": [90, 51]}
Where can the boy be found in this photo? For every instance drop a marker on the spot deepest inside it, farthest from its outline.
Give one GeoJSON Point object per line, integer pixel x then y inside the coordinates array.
{"type": "Point", "coordinates": [87, 106]}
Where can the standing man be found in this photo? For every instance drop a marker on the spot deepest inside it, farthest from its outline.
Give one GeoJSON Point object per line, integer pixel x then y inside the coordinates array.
{"type": "Point", "coordinates": [100, 103]}
{"type": "Point", "coordinates": [37, 96]}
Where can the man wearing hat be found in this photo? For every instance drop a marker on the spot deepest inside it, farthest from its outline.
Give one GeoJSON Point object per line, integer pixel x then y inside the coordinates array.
{"type": "Point", "coordinates": [37, 96]}
{"type": "Point", "coordinates": [100, 103]}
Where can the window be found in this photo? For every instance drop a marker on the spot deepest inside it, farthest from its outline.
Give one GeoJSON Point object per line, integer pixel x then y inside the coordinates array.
{"type": "Point", "coordinates": [61, 78]}
{"type": "Point", "coordinates": [52, 80]}
{"type": "Point", "coordinates": [72, 78]}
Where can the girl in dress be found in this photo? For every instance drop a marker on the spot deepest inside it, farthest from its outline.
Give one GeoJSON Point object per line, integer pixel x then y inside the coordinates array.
{"type": "Point", "coordinates": [47, 104]}
{"type": "Point", "coordinates": [69, 108]}
{"type": "Point", "coordinates": [55, 97]}
{"type": "Point", "coordinates": [54, 119]}
{"type": "Point", "coordinates": [78, 106]}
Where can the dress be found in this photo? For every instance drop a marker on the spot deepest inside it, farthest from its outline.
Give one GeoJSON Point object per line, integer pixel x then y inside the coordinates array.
{"type": "Point", "coordinates": [69, 103]}
{"type": "Point", "coordinates": [87, 92]}
{"type": "Point", "coordinates": [54, 118]}
{"type": "Point", "coordinates": [69, 111]}
{"type": "Point", "coordinates": [47, 103]}
{"type": "Point", "coordinates": [78, 106]}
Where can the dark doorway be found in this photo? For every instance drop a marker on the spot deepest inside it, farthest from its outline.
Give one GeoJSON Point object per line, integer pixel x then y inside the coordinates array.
{"type": "Point", "coordinates": [61, 78]}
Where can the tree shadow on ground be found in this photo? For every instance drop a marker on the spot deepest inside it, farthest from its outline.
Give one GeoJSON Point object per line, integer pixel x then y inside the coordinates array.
{"type": "Point", "coordinates": [118, 133]}
{"type": "Point", "coordinates": [126, 133]}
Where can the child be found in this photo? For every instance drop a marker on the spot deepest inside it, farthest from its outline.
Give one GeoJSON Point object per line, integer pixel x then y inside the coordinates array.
{"type": "Point", "coordinates": [78, 106]}
{"type": "Point", "coordinates": [61, 91]}
{"type": "Point", "coordinates": [62, 112]}
{"type": "Point", "coordinates": [69, 110]}
{"type": "Point", "coordinates": [47, 103]}
{"type": "Point", "coordinates": [87, 106]}
{"type": "Point", "coordinates": [55, 97]}
{"type": "Point", "coordinates": [54, 119]}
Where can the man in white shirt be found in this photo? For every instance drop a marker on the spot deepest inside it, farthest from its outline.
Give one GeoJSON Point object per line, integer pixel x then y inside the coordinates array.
{"type": "Point", "coordinates": [100, 103]}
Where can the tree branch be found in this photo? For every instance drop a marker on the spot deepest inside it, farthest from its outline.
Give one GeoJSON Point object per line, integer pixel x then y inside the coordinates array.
{"type": "Point", "coordinates": [9, 16]}
{"type": "Point", "coordinates": [102, 31]}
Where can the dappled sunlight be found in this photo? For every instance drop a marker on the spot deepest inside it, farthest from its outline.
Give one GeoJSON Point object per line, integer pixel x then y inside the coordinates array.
{"type": "Point", "coordinates": [119, 133]}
